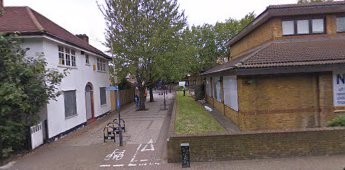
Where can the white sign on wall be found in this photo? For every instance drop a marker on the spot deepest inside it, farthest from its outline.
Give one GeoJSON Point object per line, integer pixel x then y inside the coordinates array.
{"type": "Point", "coordinates": [339, 88]}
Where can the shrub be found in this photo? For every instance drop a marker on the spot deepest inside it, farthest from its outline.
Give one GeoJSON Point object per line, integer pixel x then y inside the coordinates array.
{"type": "Point", "coordinates": [338, 121]}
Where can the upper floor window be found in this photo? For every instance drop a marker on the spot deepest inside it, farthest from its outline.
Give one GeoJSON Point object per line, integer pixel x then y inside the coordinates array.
{"type": "Point", "coordinates": [67, 56]}
{"type": "Point", "coordinates": [303, 26]}
{"type": "Point", "coordinates": [340, 24]}
{"type": "Point", "coordinates": [87, 59]}
{"type": "Point", "coordinates": [101, 64]}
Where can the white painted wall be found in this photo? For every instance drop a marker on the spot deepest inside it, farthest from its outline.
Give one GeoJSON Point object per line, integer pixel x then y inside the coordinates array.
{"type": "Point", "coordinates": [76, 80]}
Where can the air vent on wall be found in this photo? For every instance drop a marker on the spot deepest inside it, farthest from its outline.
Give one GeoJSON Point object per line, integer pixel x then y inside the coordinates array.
{"type": "Point", "coordinates": [82, 52]}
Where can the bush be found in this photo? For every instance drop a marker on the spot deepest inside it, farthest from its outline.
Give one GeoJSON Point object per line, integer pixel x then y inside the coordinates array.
{"type": "Point", "coordinates": [338, 121]}
{"type": "Point", "coordinates": [180, 88]}
{"type": "Point", "coordinates": [199, 92]}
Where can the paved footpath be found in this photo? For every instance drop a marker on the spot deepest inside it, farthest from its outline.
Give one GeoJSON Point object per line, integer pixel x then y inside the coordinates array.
{"type": "Point", "coordinates": [144, 148]}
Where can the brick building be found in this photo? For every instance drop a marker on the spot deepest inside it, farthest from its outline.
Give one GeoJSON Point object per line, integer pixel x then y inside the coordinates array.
{"type": "Point", "coordinates": [286, 69]}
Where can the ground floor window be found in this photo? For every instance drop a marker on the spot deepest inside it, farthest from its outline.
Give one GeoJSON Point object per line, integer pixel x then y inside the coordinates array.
{"type": "Point", "coordinates": [103, 96]}
{"type": "Point", "coordinates": [208, 86]}
{"type": "Point", "coordinates": [70, 103]}
{"type": "Point", "coordinates": [230, 92]}
{"type": "Point", "coordinates": [217, 89]}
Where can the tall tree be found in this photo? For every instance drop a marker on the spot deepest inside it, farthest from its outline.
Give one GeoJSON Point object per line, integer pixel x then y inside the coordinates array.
{"type": "Point", "coordinates": [25, 87]}
{"type": "Point", "coordinates": [140, 33]}
{"type": "Point", "coordinates": [312, 1]}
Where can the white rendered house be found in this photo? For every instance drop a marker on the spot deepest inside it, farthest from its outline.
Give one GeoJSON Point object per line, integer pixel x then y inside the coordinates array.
{"type": "Point", "coordinates": [83, 94]}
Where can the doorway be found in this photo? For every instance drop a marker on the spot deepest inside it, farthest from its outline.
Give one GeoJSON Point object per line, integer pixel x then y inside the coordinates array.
{"type": "Point", "coordinates": [90, 115]}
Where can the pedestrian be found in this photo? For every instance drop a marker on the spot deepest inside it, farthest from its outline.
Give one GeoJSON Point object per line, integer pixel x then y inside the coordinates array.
{"type": "Point", "coordinates": [136, 97]}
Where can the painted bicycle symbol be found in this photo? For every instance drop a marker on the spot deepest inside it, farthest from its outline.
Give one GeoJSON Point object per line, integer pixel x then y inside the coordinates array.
{"type": "Point", "coordinates": [116, 155]}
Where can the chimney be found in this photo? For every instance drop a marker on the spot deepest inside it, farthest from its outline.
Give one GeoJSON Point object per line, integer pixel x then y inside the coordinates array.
{"type": "Point", "coordinates": [81, 36]}
{"type": "Point", "coordinates": [1, 7]}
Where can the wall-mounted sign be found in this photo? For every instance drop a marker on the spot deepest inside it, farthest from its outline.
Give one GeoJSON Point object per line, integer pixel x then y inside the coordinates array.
{"type": "Point", "coordinates": [185, 155]}
{"type": "Point", "coordinates": [339, 88]}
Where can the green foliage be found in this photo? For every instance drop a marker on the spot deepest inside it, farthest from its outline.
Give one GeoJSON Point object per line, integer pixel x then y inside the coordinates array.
{"type": "Point", "coordinates": [312, 1]}
{"type": "Point", "coordinates": [25, 86]}
{"type": "Point", "coordinates": [144, 36]}
{"type": "Point", "coordinates": [191, 118]}
{"type": "Point", "coordinates": [206, 44]}
{"type": "Point", "coordinates": [338, 121]}
{"type": "Point", "coordinates": [124, 84]}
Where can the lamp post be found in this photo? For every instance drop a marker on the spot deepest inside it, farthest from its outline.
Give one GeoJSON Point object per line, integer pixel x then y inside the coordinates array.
{"type": "Point", "coordinates": [116, 83]}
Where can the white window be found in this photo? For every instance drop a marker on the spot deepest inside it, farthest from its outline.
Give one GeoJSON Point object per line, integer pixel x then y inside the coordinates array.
{"type": "Point", "coordinates": [230, 92]}
{"type": "Point", "coordinates": [302, 26]}
{"type": "Point", "coordinates": [101, 64]}
{"type": "Point", "coordinates": [318, 25]}
{"type": "Point", "coordinates": [103, 95]}
{"type": "Point", "coordinates": [288, 27]}
{"type": "Point", "coordinates": [217, 89]}
{"type": "Point", "coordinates": [70, 103]}
{"type": "Point", "coordinates": [61, 56]}
{"type": "Point", "coordinates": [340, 24]}
{"type": "Point", "coordinates": [67, 56]}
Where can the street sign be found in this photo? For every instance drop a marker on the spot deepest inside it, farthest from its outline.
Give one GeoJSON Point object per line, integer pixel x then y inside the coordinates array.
{"type": "Point", "coordinates": [112, 88]}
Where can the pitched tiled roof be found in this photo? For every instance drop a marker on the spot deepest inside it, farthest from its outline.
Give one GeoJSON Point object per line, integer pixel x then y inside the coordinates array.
{"type": "Point", "coordinates": [289, 10]}
{"type": "Point", "coordinates": [27, 21]}
{"type": "Point", "coordinates": [288, 53]}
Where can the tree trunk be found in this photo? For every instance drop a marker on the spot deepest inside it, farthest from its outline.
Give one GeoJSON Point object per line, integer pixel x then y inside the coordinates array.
{"type": "Point", "coordinates": [142, 98]}
{"type": "Point", "coordinates": [151, 94]}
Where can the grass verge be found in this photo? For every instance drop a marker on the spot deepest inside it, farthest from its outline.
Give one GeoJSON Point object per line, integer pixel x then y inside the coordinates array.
{"type": "Point", "coordinates": [191, 118]}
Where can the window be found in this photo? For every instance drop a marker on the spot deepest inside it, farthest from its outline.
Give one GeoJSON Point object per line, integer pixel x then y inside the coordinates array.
{"type": "Point", "coordinates": [340, 24]}
{"type": "Point", "coordinates": [73, 57]}
{"type": "Point", "coordinates": [217, 89]}
{"type": "Point", "coordinates": [230, 92]}
{"type": "Point", "coordinates": [70, 103]}
{"type": "Point", "coordinates": [318, 26]}
{"type": "Point", "coordinates": [101, 64]}
{"type": "Point", "coordinates": [66, 56]}
{"type": "Point", "coordinates": [208, 86]}
{"type": "Point", "coordinates": [103, 96]}
{"type": "Point", "coordinates": [288, 27]}
{"type": "Point", "coordinates": [87, 60]}
{"type": "Point", "coordinates": [61, 56]}
{"type": "Point", "coordinates": [302, 27]}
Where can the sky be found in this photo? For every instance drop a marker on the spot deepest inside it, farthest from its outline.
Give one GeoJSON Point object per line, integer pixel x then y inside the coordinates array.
{"type": "Point", "coordinates": [84, 16]}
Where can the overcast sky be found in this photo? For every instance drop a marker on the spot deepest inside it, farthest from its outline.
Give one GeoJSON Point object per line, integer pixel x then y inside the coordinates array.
{"type": "Point", "coordinates": [84, 17]}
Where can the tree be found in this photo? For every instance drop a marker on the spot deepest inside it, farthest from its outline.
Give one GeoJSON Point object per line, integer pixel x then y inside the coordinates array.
{"type": "Point", "coordinates": [312, 1]}
{"type": "Point", "coordinates": [140, 34]}
{"type": "Point", "coordinates": [206, 44]}
{"type": "Point", "coordinates": [25, 87]}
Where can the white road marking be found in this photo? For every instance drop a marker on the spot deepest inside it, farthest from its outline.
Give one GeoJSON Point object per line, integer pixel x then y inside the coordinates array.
{"type": "Point", "coordinates": [156, 163]}
{"type": "Point", "coordinates": [144, 160]}
{"type": "Point", "coordinates": [148, 146]}
{"type": "Point", "coordinates": [135, 154]}
{"type": "Point", "coordinates": [104, 166]}
{"type": "Point", "coordinates": [116, 155]}
{"type": "Point", "coordinates": [119, 165]}
{"type": "Point", "coordinates": [132, 164]}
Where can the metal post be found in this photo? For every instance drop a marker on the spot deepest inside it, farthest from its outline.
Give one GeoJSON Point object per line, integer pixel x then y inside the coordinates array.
{"type": "Point", "coordinates": [118, 111]}
{"type": "Point", "coordinates": [165, 105]}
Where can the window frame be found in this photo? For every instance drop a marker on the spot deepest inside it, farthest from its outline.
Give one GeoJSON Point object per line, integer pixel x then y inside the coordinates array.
{"type": "Point", "coordinates": [67, 57]}
{"type": "Point", "coordinates": [68, 114]}
{"type": "Point", "coordinates": [87, 59]}
{"type": "Point", "coordinates": [310, 25]}
{"type": "Point", "coordinates": [336, 22]}
{"type": "Point", "coordinates": [101, 64]}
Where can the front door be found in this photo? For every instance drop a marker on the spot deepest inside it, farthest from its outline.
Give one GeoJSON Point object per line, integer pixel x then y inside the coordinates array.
{"type": "Point", "coordinates": [89, 101]}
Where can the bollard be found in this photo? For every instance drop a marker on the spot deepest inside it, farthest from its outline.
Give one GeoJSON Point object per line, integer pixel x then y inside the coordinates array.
{"type": "Point", "coordinates": [184, 92]}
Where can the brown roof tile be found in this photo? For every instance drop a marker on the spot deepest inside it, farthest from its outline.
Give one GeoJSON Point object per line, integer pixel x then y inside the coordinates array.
{"type": "Point", "coordinates": [293, 52]}
{"type": "Point", "coordinates": [25, 20]}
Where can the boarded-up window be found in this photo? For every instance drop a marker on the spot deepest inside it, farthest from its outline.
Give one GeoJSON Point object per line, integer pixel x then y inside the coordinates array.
{"type": "Point", "coordinates": [217, 89]}
{"type": "Point", "coordinates": [70, 103]}
{"type": "Point", "coordinates": [230, 92]}
{"type": "Point", "coordinates": [103, 96]}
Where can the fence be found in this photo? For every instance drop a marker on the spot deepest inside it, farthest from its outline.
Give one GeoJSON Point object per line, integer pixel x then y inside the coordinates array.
{"type": "Point", "coordinates": [126, 96]}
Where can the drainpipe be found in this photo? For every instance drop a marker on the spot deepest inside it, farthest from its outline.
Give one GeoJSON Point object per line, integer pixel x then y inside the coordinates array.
{"type": "Point", "coordinates": [318, 109]}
